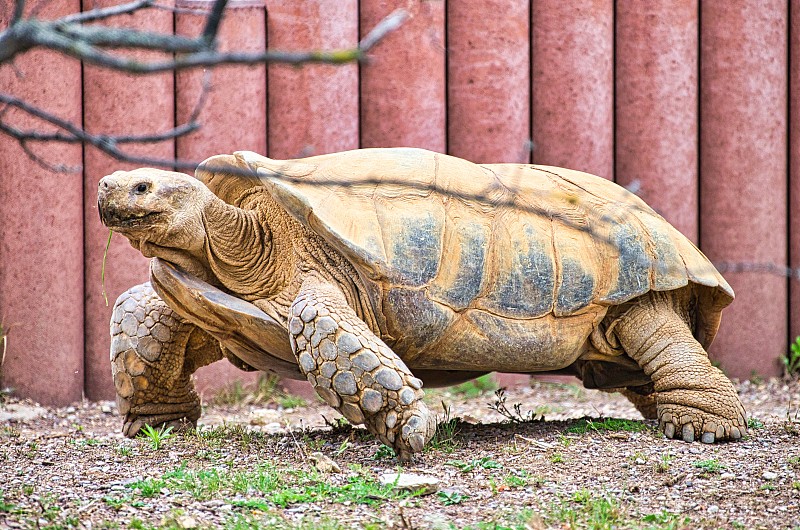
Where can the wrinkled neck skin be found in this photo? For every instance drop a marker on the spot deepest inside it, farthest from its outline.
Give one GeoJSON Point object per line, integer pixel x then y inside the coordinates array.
{"type": "Point", "coordinates": [241, 252]}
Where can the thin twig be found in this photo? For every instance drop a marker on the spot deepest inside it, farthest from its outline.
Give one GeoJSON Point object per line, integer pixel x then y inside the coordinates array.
{"type": "Point", "coordinates": [55, 168]}
{"type": "Point", "coordinates": [19, 9]}
{"type": "Point", "coordinates": [213, 21]}
{"type": "Point", "coordinates": [106, 12]}
{"type": "Point", "coordinates": [392, 22]}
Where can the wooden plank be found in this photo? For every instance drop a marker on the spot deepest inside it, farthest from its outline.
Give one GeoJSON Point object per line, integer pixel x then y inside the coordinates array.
{"type": "Point", "coordinates": [743, 172]}
{"type": "Point", "coordinates": [656, 106]}
{"type": "Point", "coordinates": [403, 88]}
{"type": "Point", "coordinates": [573, 85]}
{"type": "Point", "coordinates": [233, 118]}
{"type": "Point", "coordinates": [313, 109]}
{"type": "Point", "coordinates": [794, 168]}
{"type": "Point", "coordinates": [118, 103]}
{"type": "Point", "coordinates": [488, 80]}
{"type": "Point", "coordinates": [41, 231]}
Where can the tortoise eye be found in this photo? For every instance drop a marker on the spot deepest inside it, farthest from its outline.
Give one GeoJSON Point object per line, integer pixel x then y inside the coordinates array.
{"type": "Point", "coordinates": [142, 187]}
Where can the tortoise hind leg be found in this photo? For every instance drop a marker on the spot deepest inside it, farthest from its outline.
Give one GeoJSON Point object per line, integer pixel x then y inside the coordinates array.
{"type": "Point", "coordinates": [153, 355]}
{"type": "Point", "coordinates": [694, 399]}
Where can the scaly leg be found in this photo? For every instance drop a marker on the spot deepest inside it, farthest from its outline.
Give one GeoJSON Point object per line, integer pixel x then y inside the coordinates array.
{"type": "Point", "coordinates": [694, 399]}
{"type": "Point", "coordinates": [355, 372]}
{"type": "Point", "coordinates": [153, 355]}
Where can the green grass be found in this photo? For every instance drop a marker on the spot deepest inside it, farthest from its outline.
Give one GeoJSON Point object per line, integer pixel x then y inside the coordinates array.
{"type": "Point", "coordinates": [265, 391]}
{"type": "Point", "coordinates": [710, 466]}
{"type": "Point", "coordinates": [515, 414]}
{"type": "Point", "coordinates": [444, 438]}
{"type": "Point", "coordinates": [665, 520]}
{"type": "Point", "coordinates": [269, 486]}
{"type": "Point", "coordinates": [451, 498]}
{"type": "Point", "coordinates": [664, 463]}
{"type": "Point", "coordinates": [7, 507]}
{"type": "Point", "coordinates": [587, 510]}
{"type": "Point", "coordinates": [103, 268]}
{"type": "Point", "coordinates": [384, 452]}
{"type": "Point", "coordinates": [476, 387]}
{"type": "Point", "coordinates": [606, 425]}
{"type": "Point", "coordinates": [156, 437]}
{"type": "Point", "coordinates": [791, 361]}
{"type": "Point", "coordinates": [521, 478]}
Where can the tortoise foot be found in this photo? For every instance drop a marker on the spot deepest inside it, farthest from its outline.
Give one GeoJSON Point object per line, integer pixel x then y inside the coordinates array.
{"type": "Point", "coordinates": [179, 422]}
{"type": "Point", "coordinates": [407, 431]}
{"type": "Point", "coordinates": [179, 415]}
{"type": "Point", "coordinates": [695, 424]}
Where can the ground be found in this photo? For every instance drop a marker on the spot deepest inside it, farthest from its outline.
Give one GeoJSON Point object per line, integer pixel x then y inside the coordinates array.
{"type": "Point", "coordinates": [251, 464]}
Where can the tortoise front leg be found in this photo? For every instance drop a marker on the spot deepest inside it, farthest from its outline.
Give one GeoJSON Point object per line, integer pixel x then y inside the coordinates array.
{"type": "Point", "coordinates": [153, 355]}
{"type": "Point", "coordinates": [355, 372]}
{"type": "Point", "coordinates": [693, 398]}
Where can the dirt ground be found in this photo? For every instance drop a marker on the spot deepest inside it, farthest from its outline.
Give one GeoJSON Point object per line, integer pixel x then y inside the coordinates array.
{"type": "Point", "coordinates": [257, 465]}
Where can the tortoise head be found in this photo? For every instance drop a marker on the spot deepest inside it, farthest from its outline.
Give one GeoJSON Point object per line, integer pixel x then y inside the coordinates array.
{"type": "Point", "coordinates": [155, 207]}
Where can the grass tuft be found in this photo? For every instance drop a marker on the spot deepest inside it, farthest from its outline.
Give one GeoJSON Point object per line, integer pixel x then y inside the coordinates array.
{"type": "Point", "coordinates": [103, 267]}
{"type": "Point", "coordinates": [710, 466]}
{"type": "Point", "coordinates": [156, 437]}
{"type": "Point", "coordinates": [585, 425]}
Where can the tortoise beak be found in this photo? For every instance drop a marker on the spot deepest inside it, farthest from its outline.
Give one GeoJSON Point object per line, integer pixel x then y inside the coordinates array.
{"type": "Point", "coordinates": [104, 189]}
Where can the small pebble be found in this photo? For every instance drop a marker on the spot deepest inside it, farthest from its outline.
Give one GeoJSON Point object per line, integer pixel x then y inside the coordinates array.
{"type": "Point", "coordinates": [324, 464]}
{"type": "Point", "coordinates": [411, 482]}
{"type": "Point", "coordinates": [727, 476]}
{"type": "Point", "coordinates": [769, 475]}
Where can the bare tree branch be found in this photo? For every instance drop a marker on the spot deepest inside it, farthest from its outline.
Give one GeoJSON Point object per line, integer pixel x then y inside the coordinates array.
{"type": "Point", "coordinates": [68, 132]}
{"type": "Point", "coordinates": [97, 45]}
{"type": "Point", "coordinates": [67, 35]}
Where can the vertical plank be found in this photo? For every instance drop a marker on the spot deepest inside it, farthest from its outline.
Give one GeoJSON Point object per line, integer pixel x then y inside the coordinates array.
{"type": "Point", "coordinates": [118, 103]}
{"type": "Point", "coordinates": [41, 231]}
{"type": "Point", "coordinates": [794, 166]}
{"type": "Point", "coordinates": [743, 166]}
{"type": "Point", "coordinates": [573, 85]}
{"type": "Point", "coordinates": [403, 95]}
{"type": "Point", "coordinates": [488, 80]}
{"type": "Point", "coordinates": [234, 116]}
{"type": "Point", "coordinates": [656, 106]}
{"type": "Point", "coordinates": [312, 109]}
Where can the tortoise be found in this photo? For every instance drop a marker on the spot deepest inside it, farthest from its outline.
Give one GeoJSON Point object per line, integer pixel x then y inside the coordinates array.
{"type": "Point", "coordinates": [373, 271]}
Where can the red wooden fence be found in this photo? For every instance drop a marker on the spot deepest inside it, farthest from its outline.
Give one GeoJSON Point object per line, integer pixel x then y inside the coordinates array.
{"type": "Point", "coordinates": [694, 103]}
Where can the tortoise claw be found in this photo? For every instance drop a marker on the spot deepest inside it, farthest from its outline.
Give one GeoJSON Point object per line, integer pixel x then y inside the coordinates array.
{"type": "Point", "coordinates": [669, 430]}
{"type": "Point", "coordinates": [688, 433]}
{"type": "Point", "coordinates": [707, 438]}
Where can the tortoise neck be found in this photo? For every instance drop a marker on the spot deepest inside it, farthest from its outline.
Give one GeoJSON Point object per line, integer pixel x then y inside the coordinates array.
{"type": "Point", "coordinates": [240, 249]}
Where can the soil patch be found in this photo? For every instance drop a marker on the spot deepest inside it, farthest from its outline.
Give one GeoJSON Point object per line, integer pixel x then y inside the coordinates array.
{"type": "Point", "coordinates": [258, 466]}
